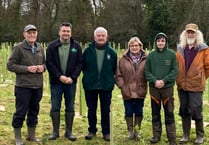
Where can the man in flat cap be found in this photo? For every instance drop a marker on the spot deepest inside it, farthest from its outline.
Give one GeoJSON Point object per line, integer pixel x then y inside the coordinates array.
{"type": "Point", "coordinates": [193, 63]}
{"type": "Point", "coordinates": [27, 61]}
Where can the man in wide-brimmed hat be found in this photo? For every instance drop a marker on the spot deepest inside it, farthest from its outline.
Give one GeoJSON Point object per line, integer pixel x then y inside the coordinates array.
{"type": "Point", "coordinates": [193, 63]}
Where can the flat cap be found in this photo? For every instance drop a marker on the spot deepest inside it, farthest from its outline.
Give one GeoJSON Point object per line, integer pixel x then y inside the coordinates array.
{"type": "Point", "coordinates": [30, 27]}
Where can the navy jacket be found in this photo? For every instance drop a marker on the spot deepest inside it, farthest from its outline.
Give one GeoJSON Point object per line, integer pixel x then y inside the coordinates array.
{"type": "Point", "coordinates": [74, 63]}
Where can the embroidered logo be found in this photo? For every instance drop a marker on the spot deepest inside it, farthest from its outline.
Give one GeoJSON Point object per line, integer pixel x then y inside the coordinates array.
{"type": "Point", "coordinates": [108, 57]}
{"type": "Point", "coordinates": [73, 50]}
{"type": "Point", "coordinates": [167, 62]}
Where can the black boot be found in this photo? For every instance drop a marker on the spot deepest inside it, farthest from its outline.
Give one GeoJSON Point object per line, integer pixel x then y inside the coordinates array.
{"type": "Point", "coordinates": [199, 131]}
{"type": "Point", "coordinates": [18, 137]}
{"type": "Point", "coordinates": [157, 131]}
{"type": "Point", "coordinates": [171, 133]}
{"type": "Point", "coordinates": [137, 122]}
{"type": "Point", "coordinates": [129, 122]}
{"type": "Point", "coordinates": [69, 124]}
{"type": "Point", "coordinates": [56, 124]}
{"type": "Point", "coordinates": [186, 125]}
{"type": "Point", "coordinates": [32, 134]}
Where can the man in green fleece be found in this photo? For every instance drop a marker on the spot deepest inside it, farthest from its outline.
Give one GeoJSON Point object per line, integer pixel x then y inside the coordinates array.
{"type": "Point", "coordinates": [99, 68]}
{"type": "Point", "coordinates": [161, 71]}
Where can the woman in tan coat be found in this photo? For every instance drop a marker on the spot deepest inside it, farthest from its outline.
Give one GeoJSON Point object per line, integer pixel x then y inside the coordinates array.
{"type": "Point", "coordinates": [130, 78]}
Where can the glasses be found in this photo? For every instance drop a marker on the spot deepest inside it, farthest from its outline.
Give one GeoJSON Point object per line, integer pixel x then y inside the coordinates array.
{"type": "Point", "coordinates": [135, 45]}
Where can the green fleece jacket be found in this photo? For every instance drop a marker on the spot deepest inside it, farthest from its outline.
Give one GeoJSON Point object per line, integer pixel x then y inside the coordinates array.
{"type": "Point", "coordinates": [161, 65]}
{"type": "Point", "coordinates": [92, 79]}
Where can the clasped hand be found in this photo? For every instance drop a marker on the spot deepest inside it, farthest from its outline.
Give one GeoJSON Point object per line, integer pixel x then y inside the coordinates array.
{"type": "Point", "coordinates": [159, 84]}
{"type": "Point", "coordinates": [66, 80]}
{"type": "Point", "coordinates": [35, 68]}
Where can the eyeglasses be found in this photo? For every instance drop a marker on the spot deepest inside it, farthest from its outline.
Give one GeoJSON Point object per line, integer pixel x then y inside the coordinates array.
{"type": "Point", "coordinates": [134, 45]}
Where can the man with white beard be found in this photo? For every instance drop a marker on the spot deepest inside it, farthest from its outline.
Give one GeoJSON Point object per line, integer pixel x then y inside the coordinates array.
{"type": "Point", "coordinates": [193, 63]}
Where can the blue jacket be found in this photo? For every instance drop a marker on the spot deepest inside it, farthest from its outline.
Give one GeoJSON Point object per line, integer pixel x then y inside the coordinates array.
{"type": "Point", "coordinates": [92, 80]}
{"type": "Point", "coordinates": [74, 63]}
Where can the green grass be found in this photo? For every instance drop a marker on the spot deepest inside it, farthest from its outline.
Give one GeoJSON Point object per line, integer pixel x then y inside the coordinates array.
{"type": "Point", "coordinates": [44, 127]}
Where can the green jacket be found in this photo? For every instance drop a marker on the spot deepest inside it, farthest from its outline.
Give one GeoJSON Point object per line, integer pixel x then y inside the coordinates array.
{"type": "Point", "coordinates": [161, 65]}
{"type": "Point", "coordinates": [92, 80]}
{"type": "Point", "coordinates": [20, 59]}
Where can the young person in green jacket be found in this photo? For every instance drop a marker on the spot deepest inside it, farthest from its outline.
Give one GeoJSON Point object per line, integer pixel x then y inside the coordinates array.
{"type": "Point", "coordinates": [161, 71]}
{"type": "Point", "coordinates": [99, 67]}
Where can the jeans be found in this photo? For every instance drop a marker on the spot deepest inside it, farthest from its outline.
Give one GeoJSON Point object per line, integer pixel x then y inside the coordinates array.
{"type": "Point", "coordinates": [105, 101]}
{"type": "Point", "coordinates": [26, 102]}
{"type": "Point", "coordinates": [134, 106]}
{"type": "Point", "coordinates": [57, 90]}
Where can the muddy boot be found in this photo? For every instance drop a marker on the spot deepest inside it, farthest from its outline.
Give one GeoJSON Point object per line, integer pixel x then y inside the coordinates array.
{"type": "Point", "coordinates": [32, 135]}
{"type": "Point", "coordinates": [171, 133]}
{"type": "Point", "coordinates": [69, 124]}
{"type": "Point", "coordinates": [137, 122]}
{"type": "Point", "coordinates": [129, 122]}
{"type": "Point", "coordinates": [56, 124]}
{"type": "Point", "coordinates": [157, 131]}
{"type": "Point", "coordinates": [18, 137]}
{"type": "Point", "coordinates": [186, 125]}
{"type": "Point", "coordinates": [199, 131]}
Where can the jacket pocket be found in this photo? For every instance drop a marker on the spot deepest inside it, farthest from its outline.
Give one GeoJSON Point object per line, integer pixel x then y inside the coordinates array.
{"type": "Point", "coordinates": [125, 91]}
{"type": "Point", "coordinates": [141, 90]}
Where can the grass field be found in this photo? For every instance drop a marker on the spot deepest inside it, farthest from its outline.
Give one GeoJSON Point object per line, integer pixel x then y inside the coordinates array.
{"type": "Point", "coordinates": [44, 127]}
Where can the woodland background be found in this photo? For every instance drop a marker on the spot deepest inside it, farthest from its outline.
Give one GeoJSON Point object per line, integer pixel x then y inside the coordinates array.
{"type": "Point", "coordinates": [122, 18]}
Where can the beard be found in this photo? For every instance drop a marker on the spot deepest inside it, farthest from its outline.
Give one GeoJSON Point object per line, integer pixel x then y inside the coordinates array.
{"type": "Point", "coordinates": [190, 41]}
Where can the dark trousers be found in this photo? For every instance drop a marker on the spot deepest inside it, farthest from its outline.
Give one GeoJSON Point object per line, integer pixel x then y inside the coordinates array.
{"type": "Point", "coordinates": [26, 103]}
{"type": "Point", "coordinates": [105, 101]}
{"type": "Point", "coordinates": [134, 106]}
{"type": "Point", "coordinates": [190, 104]}
{"type": "Point", "coordinates": [165, 97]}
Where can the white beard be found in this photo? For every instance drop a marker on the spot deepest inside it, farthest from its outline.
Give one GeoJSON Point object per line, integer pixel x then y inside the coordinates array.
{"type": "Point", "coordinates": [190, 41]}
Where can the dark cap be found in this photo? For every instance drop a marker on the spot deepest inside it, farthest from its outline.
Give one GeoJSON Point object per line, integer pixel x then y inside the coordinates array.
{"type": "Point", "coordinates": [30, 27]}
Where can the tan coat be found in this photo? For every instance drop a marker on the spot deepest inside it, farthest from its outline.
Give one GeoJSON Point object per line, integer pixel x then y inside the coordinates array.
{"type": "Point", "coordinates": [195, 78]}
{"type": "Point", "coordinates": [131, 82]}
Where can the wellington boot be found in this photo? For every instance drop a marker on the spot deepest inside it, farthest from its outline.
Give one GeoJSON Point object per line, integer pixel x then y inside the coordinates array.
{"type": "Point", "coordinates": [32, 135]}
{"type": "Point", "coordinates": [129, 122]}
{"type": "Point", "coordinates": [69, 124]}
{"type": "Point", "coordinates": [137, 127]}
{"type": "Point", "coordinates": [199, 132]}
{"type": "Point", "coordinates": [171, 133]}
{"type": "Point", "coordinates": [18, 137]}
{"type": "Point", "coordinates": [157, 131]}
{"type": "Point", "coordinates": [186, 125]}
{"type": "Point", "coordinates": [56, 124]}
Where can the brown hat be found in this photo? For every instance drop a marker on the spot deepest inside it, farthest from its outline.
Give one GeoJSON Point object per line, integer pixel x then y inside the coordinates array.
{"type": "Point", "coordinates": [192, 27]}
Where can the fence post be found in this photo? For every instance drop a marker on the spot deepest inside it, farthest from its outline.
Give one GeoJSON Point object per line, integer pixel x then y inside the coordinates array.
{"type": "Point", "coordinates": [4, 61]}
{"type": "Point", "coordinates": [82, 102]}
{"type": "Point", "coordinates": [111, 126]}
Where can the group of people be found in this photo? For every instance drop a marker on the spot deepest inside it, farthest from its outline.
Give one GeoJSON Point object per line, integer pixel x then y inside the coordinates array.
{"type": "Point", "coordinates": [161, 68]}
